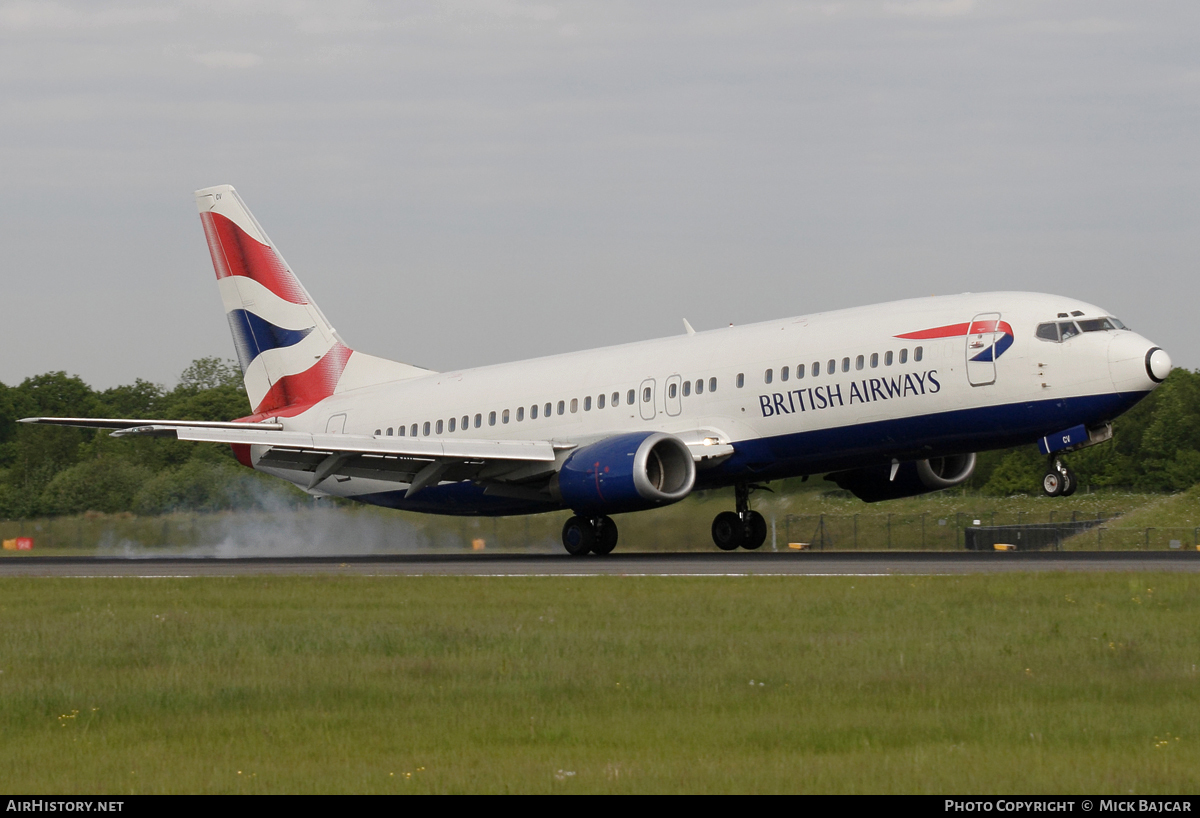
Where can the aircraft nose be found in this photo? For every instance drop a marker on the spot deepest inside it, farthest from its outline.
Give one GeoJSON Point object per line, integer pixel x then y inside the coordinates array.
{"type": "Point", "coordinates": [1158, 364]}
{"type": "Point", "coordinates": [1136, 364]}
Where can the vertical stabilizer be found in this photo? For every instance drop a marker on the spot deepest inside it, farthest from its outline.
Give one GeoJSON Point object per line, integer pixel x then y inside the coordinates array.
{"type": "Point", "coordinates": [289, 353]}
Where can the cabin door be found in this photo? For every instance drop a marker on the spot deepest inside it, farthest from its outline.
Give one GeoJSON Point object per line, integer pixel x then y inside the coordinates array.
{"type": "Point", "coordinates": [645, 399]}
{"type": "Point", "coordinates": [671, 403]}
{"type": "Point", "coordinates": [982, 334]}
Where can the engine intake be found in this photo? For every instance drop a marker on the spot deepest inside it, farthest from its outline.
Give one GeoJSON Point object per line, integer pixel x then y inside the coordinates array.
{"type": "Point", "coordinates": [872, 484]}
{"type": "Point", "coordinates": [626, 473]}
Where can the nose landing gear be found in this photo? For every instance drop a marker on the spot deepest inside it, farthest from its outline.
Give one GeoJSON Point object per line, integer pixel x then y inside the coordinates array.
{"type": "Point", "coordinates": [1058, 481]}
{"type": "Point", "coordinates": [584, 535]}
{"type": "Point", "coordinates": [744, 527]}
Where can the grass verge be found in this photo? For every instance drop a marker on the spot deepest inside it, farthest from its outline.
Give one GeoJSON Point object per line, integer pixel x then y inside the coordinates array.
{"type": "Point", "coordinates": [1010, 683]}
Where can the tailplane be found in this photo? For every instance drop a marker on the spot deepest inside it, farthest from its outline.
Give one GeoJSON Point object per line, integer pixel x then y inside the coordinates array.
{"type": "Point", "coordinates": [290, 355]}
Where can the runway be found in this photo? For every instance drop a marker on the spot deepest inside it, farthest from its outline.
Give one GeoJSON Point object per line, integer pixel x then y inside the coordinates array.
{"type": "Point", "coordinates": [735, 564]}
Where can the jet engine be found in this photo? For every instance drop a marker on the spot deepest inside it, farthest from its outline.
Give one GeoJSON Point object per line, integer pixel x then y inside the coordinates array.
{"type": "Point", "coordinates": [875, 483]}
{"type": "Point", "coordinates": [626, 472]}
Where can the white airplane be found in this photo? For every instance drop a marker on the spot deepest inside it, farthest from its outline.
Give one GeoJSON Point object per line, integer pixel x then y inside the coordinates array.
{"type": "Point", "coordinates": [890, 400]}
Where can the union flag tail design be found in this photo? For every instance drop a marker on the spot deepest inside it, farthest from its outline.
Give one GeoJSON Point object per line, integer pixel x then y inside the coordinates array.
{"type": "Point", "coordinates": [291, 356]}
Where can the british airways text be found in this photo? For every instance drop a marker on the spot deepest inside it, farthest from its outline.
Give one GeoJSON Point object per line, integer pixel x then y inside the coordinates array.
{"type": "Point", "coordinates": [815, 398]}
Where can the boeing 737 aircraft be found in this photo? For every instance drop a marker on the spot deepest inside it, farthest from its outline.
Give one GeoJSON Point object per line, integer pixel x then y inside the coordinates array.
{"type": "Point", "coordinates": [889, 400]}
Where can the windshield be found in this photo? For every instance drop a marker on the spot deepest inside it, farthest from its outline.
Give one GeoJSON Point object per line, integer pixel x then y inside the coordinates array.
{"type": "Point", "coordinates": [1062, 330]}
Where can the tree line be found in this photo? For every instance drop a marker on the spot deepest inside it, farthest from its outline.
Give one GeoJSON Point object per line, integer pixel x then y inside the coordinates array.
{"type": "Point", "coordinates": [47, 471]}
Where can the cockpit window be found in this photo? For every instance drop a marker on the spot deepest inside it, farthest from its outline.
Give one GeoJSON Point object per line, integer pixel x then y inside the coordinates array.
{"type": "Point", "coordinates": [1063, 330]}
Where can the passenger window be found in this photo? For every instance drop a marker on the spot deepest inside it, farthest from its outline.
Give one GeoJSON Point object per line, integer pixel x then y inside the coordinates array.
{"type": "Point", "coordinates": [478, 420]}
{"type": "Point", "coordinates": [546, 410]}
{"type": "Point", "coordinates": [630, 396]}
{"type": "Point", "coordinates": [783, 373]}
{"type": "Point", "coordinates": [414, 430]}
{"type": "Point", "coordinates": [504, 416]}
{"type": "Point", "coordinates": [672, 391]}
{"type": "Point", "coordinates": [491, 418]}
{"type": "Point", "coordinates": [378, 433]}
{"type": "Point", "coordinates": [918, 353]}
{"type": "Point", "coordinates": [887, 358]}
{"type": "Point", "coordinates": [599, 401]}
{"type": "Point", "coordinates": [712, 384]}
{"type": "Point", "coordinates": [741, 380]}
{"type": "Point", "coordinates": [1048, 332]}
{"type": "Point", "coordinates": [816, 369]}
{"type": "Point", "coordinates": [425, 428]}
{"type": "Point", "coordinates": [858, 362]}
{"type": "Point", "coordinates": [799, 371]}
{"type": "Point", "coordinates": [874, 359]}
{"type": "Point", "coordinates": [452, 425]}
{"type": "Point", "coordinates": [587, 403]}
{"type": "Point", "coordinates": [1068, 330]}
{"type": "Point", "coordinates": [520, 413]}
{"type": "Point", "coordinates": [687, 388]}
{"type": "Point", "coordinates": [400, 431]}
{"type": "Point", "coordinates": [646, 395]}
{"type": "Point", "coordinates": [616, 399]}
{"type": "Point", "coordinates": [768, 376]}
{"type": "Point", "coordinates": [562, 407]}
{"type": "Point", "coordinates": [700, 386]}
{"type": "Point", "coordinates": [533, 410]}
{"type": "Point", "coordinates": [439, 427]}
{"type": "Point", "coordinates": [904, 356]}
{"type": "Point", "coordinates": [831, 367]}
{"type": "Point", "coordinates": [845, 364]}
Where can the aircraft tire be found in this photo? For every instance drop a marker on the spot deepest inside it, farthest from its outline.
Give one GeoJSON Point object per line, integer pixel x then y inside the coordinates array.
{"type": "Point", "coordinates": [578, 536]}
{"type": "Point", "coordinates": [728, 531]}
{"type": "Point", "coordinates": [1069, 482]}
{"type": "Point", "coordinates": [756, 531]}
{"type": "Point", "coordinates": [606, 536]}
{"type": "Point", "coordinates": [1052, 482]}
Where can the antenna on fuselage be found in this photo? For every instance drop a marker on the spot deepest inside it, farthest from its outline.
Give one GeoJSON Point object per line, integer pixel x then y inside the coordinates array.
{"type": "Point", "coordinates": [688, 327]}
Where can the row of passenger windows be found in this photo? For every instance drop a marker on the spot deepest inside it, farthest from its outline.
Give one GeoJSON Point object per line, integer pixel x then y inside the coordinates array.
{"type": "Point", "coordinates": [831, 367]}
{"type": "Point", "coordinates": [439, 427]}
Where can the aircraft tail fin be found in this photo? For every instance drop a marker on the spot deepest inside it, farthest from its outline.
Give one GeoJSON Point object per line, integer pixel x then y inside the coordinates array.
{"type": "Point", "coordinates": [291, 356]}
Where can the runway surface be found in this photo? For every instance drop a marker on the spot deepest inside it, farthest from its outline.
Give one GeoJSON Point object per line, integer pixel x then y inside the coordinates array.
{"type": "Point", "coordinates": [664, 564]}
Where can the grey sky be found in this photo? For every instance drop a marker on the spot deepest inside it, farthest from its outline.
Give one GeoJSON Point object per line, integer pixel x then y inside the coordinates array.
{"type": "Point", "coordinates": [462, 183]}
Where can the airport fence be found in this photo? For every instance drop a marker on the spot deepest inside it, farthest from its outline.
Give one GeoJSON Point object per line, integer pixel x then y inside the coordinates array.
{"type": "Point", "coordinates": [1071, 530]}
{"type": "Point", "coordinates": [334, 530]}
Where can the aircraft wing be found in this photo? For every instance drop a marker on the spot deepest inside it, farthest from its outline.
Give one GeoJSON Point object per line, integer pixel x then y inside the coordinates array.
{"type": "Point", "coordinates": [418, 462]}
{"type": "Point", "coordinates": [513, 468]}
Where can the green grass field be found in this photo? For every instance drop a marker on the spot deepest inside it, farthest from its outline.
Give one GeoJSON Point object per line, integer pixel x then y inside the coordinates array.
{"type": "Point", "coordinates": [1009, 683]}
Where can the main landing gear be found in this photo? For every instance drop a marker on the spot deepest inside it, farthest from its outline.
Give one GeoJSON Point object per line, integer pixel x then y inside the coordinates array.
{"type": "Point", "coordinates": [589, 535]}
{"type": "Point", "coordinates": [743, 527]}
{"type": "Point", "coordinates": [1058, 481]}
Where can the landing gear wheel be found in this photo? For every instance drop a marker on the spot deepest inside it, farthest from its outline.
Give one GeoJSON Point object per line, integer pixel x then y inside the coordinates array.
{"type": "Point", "coordinates": [728, 531]}
{"type": "Point", "coordinates": [755, 531]}
{"type": "Point", "coordinates": [1069, 482]}
{"type": "Point", "coordinates": [1052, 482]}
{"type": "Point", "coordinates": [605, 535]}
{"type": "Point", "coordinates": [578, 536]}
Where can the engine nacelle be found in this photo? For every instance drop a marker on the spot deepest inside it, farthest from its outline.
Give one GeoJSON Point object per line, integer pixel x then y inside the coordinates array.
{"type": "Point", "coordinates": [626, 473]}
{"type": "Point", "coordinates": [871, 484]}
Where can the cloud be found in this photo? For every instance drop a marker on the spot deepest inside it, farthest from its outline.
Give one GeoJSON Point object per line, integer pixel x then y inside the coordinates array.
{"type": "Point", "coordinates": [931, 8]}
{"type": "Point", "coordinates": [28, 16]}
{"type": "Point", "coordinates": [227, 59]}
